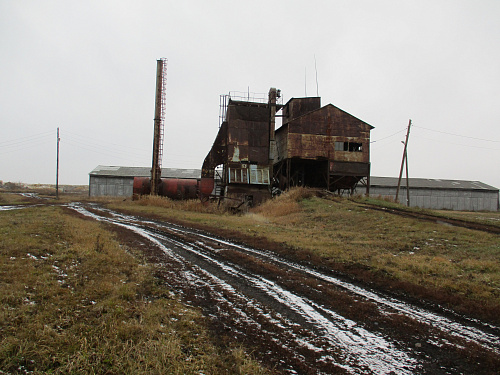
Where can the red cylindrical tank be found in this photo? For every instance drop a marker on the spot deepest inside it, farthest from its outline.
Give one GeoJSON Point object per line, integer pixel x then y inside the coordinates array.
{"type": "Point", "coordinates": [177, 188]}
{"type": "Point", "coordinates": [206, 186]}
{"type": "Point", "coordinates": [142, 186]}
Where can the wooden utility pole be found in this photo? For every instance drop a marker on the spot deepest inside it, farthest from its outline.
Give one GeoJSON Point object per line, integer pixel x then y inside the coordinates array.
{"type": "Point", "coordinates": [407, 180]}
{"type": "Point", "coordinates": [57, 165]}
{"type": "Point", "coordinates": [402, 166]}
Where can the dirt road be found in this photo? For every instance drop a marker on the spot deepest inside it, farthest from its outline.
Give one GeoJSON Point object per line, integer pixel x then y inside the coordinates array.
{"type": "Point", "coordinates": [299, 320]}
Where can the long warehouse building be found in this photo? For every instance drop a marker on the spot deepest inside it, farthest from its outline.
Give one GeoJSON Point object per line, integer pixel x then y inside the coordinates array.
{"type": "Point", "coordinates": [425, 193]}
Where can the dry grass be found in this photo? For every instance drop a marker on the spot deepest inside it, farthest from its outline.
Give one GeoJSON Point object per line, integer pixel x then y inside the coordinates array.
{"type": "Point", "coordinates": [285, 204]}
{"type": "Point", "coordinates": [8, 198]}
{"type": "Point", "coordinates": [481, 217]}
{"type": "Point", "coordinates": [72, 300]}
{"type": "Point", "coordinates": [192, 205]}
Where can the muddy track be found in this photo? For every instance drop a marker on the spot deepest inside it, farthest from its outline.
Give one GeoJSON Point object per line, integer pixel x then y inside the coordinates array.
{"type": "Point", "coordinates": [297, 319]}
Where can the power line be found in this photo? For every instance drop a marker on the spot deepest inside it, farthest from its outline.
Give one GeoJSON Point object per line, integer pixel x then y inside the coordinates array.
{"type": "Point", "coordinates": [100, 149]}
{"type": "Point", "coordinates": [106, 144]}
{"type": "Point", "coordinates": [457, 135]}
{"type": "Point", "coordinates": [22, 140]}
{"type": "Point", "coordinates": [91, 142]}
{"type": "Point", "coordinates": [23, 146]}
{"type": "Point", "coordinates": [456, 144]}
{"type": "Point", "coordinates": [389, 136]}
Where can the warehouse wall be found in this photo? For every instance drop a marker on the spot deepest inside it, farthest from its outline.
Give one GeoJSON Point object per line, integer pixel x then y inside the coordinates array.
{"type": "Point", "coordinates": [111, 186]}
{"type": "Point", "coordinates": [460, 200]}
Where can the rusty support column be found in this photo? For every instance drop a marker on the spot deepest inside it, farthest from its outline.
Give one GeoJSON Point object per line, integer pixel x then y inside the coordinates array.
{"type": "Point", "coordinates": [272, 124]}
{"type": "Point", "coordinates": [288, 176]}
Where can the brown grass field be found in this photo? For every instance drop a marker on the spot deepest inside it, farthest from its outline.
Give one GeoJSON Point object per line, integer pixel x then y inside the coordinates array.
{"type": "Point", "coordinates": [72, 299]}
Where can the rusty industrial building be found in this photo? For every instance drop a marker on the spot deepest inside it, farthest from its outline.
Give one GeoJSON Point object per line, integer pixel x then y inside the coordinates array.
{"type": "Point", "coordinates": [250, 160]}
{"type": "Point", "coordinates": [319, 147]}
{"type": "Point", "coordinates": [322, 147]}
{"type": "Point", "coordinates": [243, 152]}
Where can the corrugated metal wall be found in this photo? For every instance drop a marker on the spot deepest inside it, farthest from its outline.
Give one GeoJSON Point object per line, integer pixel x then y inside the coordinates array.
{"type": "Point", "coordinates": [111, 186]}
{"type": "Point", "coordinates": [461, 200]}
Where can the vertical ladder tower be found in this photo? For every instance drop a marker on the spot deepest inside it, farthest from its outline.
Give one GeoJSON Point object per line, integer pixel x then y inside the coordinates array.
{"type": "Point", "coordinates": [159, 121]}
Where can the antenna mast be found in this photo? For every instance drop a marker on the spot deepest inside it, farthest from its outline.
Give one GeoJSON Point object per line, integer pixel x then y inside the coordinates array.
{"type": "Point", "coordinates": [159, 121]}
{"type": "Point", "coordinates": [316, 69]}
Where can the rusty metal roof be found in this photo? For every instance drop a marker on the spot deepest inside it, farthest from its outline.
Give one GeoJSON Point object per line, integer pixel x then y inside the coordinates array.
{"type": "Point", "coordinates": [116, 171]}
{"type": "Point", "coordinates": [427, 183]}
{"type": "Point", "coordinates": [324, 108]}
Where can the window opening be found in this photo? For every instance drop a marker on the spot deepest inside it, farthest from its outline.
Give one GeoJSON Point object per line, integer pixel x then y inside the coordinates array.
{"type": "Point", "coordinates": [355, 147]}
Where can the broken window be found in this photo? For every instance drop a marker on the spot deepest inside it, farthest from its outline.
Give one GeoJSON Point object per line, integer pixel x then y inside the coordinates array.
{"type": "Point", "coordinates": [349, 146]}
{"type": "Point", "coordinates": [355, 147]}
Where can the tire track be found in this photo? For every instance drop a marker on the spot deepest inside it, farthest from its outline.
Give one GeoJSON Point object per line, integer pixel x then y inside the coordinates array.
{"type": "Point", "coordinates": [310, 336]}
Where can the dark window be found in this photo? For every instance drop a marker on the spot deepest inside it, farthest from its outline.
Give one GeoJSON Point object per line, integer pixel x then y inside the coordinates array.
{"type": "Point", "coordinates": [355, 147]}
{"type": "Point", "coordinates": [348, 146]}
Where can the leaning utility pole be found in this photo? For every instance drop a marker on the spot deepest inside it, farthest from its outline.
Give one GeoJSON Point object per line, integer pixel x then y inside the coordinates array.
{"type": "Point", "coordinates": [402, 166]}
{"type": "Point", "coordinates": [57, 165]}
{"type": "Point", "coordinates": [161, 83]}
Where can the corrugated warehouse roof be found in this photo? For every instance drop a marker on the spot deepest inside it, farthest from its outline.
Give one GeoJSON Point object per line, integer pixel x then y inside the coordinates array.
{"type": "Point", "coordinates": [115, 171]}
{"type": "Point", "coordinates": [427, 183]}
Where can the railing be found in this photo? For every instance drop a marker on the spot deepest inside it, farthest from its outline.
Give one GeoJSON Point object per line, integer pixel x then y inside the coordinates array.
{"type": "Point", "coordinates": [242, 97]}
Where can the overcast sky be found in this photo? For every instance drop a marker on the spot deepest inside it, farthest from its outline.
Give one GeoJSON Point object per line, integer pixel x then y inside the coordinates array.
{"type": "Point", "coordinates": [89, 68]}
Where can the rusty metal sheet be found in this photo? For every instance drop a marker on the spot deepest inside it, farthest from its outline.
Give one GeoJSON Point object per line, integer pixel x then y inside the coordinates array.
{"type": "Point", "coordinates": [297, 107]}
{"type": "Point", "coordinates": [247, 111]}
{"type": "Point", "coordinates": [330, 120]}
{"type": "Point", "coordinates": [217, 154]}
{"type": "Point", "coordinates": [349, 168]}
{"type": "Point", "coordinates": [309, 146]}
{"type": "Point", "coordinates": [248, 141]}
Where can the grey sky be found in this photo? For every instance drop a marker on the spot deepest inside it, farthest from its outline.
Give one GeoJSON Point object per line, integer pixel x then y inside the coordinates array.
{"type": "Point", "coordinates": [89, 68]}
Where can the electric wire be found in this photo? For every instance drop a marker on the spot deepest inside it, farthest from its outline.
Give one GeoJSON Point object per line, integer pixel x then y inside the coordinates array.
{"type": "Point", "coordinates": [389, 136]}
{"type": "Point", "coordinates": [27, 139]}
{"type": "Point", "coordinates": [441, 140]}
{"type": "Point", "coordinates": [114, 155]}
{"type": "Point", "coordinates": [119, 151]}
{"type": "Point", "coordinates": [456, 144]}
{"type": "Point", "coordinates": [104, 143]}
{"type": "Point", "coordinates": [457, 135]}
{"type": "Point", "coordinates": [103, 148]}
{"type": "Point", "coordinates": [124, 153]}
{"type": "Point", "coordinates": [12, 149]}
